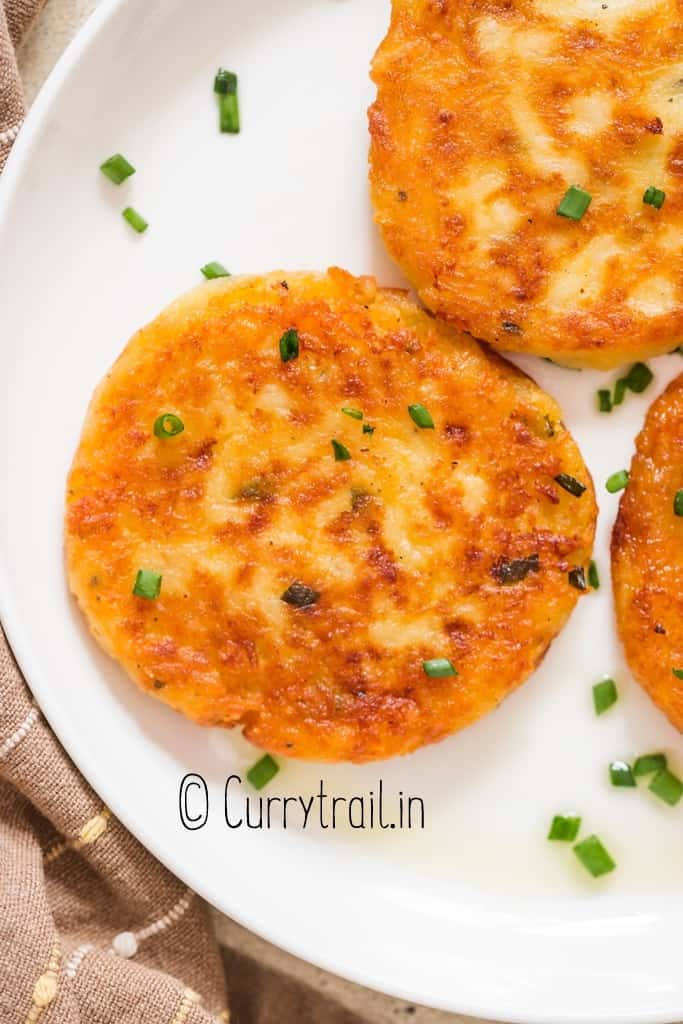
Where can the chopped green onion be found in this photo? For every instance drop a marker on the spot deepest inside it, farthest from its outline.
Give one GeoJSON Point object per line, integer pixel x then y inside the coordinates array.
{"type": "Point", "coordinates": [299, 595]}
{"type": "Point", "coordinates": [261, 773]}
{"type": "Point", "coordinates": [678, 503]}
{"type": "Point", "coordinates": [214, 270]}
{"type": "Point", "coordinates": [575, 203]}
{"type": "Point", "coordinates": [421, 417]}
{"type": "Point", "coordinates": [341, 452]}
{"type": "Point", "coordinates": [289, 345]}
{"type": "Point", "coordinates": [638, 378]}
{"type": "Point", "coordinates": [604, 401]}
{"type": "Point", "coordinates": [137, 222]}
{"type": "Point", "coordinates": [117, 168]}
{"type": "Point", "coordinates": [355, 414]}
{"type": "Point", "coordinates": [577, 578]}
{"type": "Point", "coordinates": [168, 425]}
{"type": "Point", "coordinates": [604, 695]}
{"type": "Point", "coordinates": [647, 764]}
{"type": "Point", "coordinates": [617, 481]}
{"type": "Point", "coordinates": [667, 786]}
{"type": "Point", "coordinates": [593, 576]}
{"type": "Point", "coordinates": [619, 391]}
{"type": "Point", "coordinates": [564, 828]}
{"type": "Point", "coordinates": [225, 85]}
{"type": "Point", "coordinates": [621, 774]}
{"type": "Point", "coordinates": [654, 197]}
{"type": "Point", "coordinates": [147, 584]}
{"type": "Point", "coordinates": [367, 429]}
{"type": "Point", "coordinates": [678, 672]}
{"type": "Point", "coordinates": [594, 856]}
{"type": "Point", "coordinates": [570, 484]}
{"type": "Point", "coordinates": [516, 570]}
{"type": "Point", "coordinates": [439, 668]}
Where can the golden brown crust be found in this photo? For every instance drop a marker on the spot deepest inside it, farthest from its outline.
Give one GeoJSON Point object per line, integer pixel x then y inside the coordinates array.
{"type": "Point", "coordinates": [404, 542]}
{"type": "Point", "coordinates": [486, 112]}
{"type": "Point", "coordinates": [647, 556]}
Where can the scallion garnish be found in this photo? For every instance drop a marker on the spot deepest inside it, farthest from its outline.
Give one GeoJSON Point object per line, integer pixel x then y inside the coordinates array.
{"type": "Point", "coordinates": [575, 203]}
{"type": "Point", "coordinates": [341, 452]}
{"type": "Point", "coordinates": [213, 270]}
{"type": "Point", "coordinates": [299, 595]}
{"type": "Point", "coordinates": [289, 345]}
{"type": "Point", "coordinates": [117, 169]}
{"type": "Point", "coordinates": [604, 695]}
{"type": "Point", "coordinates": [367, 429]}
{"type": "Point", "coordinates": [593, 576]}
{"type": "Point", "coordinates": [147, 584]}
{"type": "Point", "coordinates": [516, 570]}
{"type": "Point", "coordinates": [638, 378]}
{"type": "Point", "coordinates": [594, 856]}
{"type": "Point", "coordinates": [225, 86]}
{"type": "Point", "coordinates": [678, 672]}
{"type": "Point", "coordinates": [355, 414]}
{"type": "Point", "coordinates": [667, 786]}
{"type": "Point", "coordinates": [617, 481]}
{"type": "Point", "coordinates": [647, 764]}
{"type": "Point", "coordinates": [620, 774]}
{"type": "Point", "coordinates": [168, 425]}
{"type": "Point", "coordinates": [421, 417]}
{"type": "Point", "coordinates": [604, 400]}
{"type": "Point", "coordinates": [136, 221]}
{"type": "Point", "coordinates": [619, 391]}
{"type": "Point", "coordinates": [261, 773]}
{"type": "Point", "coordinates": [439, 668]}
{"type": "Point", "coordinates": [570, 484]}
{"type": "Point", "coordinates": [678, 503]}
{"type": "Point", "coordinates": [654, 197]}
{"type": "Point", "coordinates": [577, 578]}
{"type": "Point", "coordinates": [565, 828]}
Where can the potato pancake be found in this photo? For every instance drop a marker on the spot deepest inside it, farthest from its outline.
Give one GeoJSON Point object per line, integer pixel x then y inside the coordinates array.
{"type": "Point", "coordinates": [647, 556]}
{"type": "Point", "coordinates": [488, 112]}
{"type": "Point", "coordinates": [350, 530]}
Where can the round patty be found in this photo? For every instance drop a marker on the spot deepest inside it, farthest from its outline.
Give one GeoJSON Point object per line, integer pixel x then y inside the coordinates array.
{"type": "Point", "coordinates": [311, 561]}
{"type": "Point", "coordinates": [647, 556]}
{"type": "Point", "coordinates": [487, 113]}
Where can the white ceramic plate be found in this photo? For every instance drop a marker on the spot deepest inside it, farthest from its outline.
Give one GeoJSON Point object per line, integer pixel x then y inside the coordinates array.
{"type": "Point", "coordinates": [478, 913]}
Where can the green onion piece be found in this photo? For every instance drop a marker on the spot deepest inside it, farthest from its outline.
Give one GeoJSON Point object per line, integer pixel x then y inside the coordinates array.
{"type": "Point", "coordinates": [647, 764]}
{"type": "Point", "coordinates": [678, 672]}
{"type": "Point", "coordinates": [604, 401]}
{"type": "Point", "coordinates": [147, 584]}
{"type": "Point", "coordinates": [570, 484]}
{"type": "Point", "coordinates": [575, 203]}
{"type": "Point", "coordinates": [593, 576]}
{"type": "Point", "coordinates": [117, 168]}
{"type": "Point", "coordinates": [137, 222]}
{"type": "Point", "coordinates": [604, 695]}
{"type": "Point", "coordinates": [564, 828]}
{"type": "Point", "coordinates": [619, 391]}
{"type": "Point", "coordinates": [667, 786]}
{"type": "Point", "coordinates": [654, 197]}
{"type": "Point", "coordinates": [299, 595]}
{"type": "Point", "coordinates": [621, 775]}
{"type": "Point", "coordinates": [341, 452]}
{"type": "Point", "coordinates": [261, 773]}
{"type": "Point", "coordinates": [594, 856]}
{"type": "Point", "coordinates": [367, 429]}
{"type": "Point", "coordinates": [516, 570]}
{"type": "Point", "coordinates": [678, 503]}
{"type": "Point", "coordinates": [617, 481]}
{"type": "Point", "coordinates": [168, 425]}
{"type": "Point", "coordinates": [289, 345]}
{"type": "Point", "coordinates": [229, 120]}
{"type": "Point", "coordinates": [225, 82]}
{"type": "Point", "coordinates": [355, 414]}
{"type": "Point", "coordinates": [577, 578]}
{"type": "Point", "coordinates": [638, 378]}
{"type": "Point", "coordinates": [214, 270]}
{"type": "Point", "coordinates": [439, 668]}
{"type": "Point", "coordinates": [421, 417]}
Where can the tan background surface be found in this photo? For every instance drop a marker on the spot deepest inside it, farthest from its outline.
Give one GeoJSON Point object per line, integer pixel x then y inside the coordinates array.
{"type": "Point", "coordinates": [294, 987]}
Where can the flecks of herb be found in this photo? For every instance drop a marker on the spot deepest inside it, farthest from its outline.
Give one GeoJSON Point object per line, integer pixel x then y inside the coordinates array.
{"type": "Point", "coordinates": [299, 595]}
{"type": "Point", "coordinates": [507, 572]}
